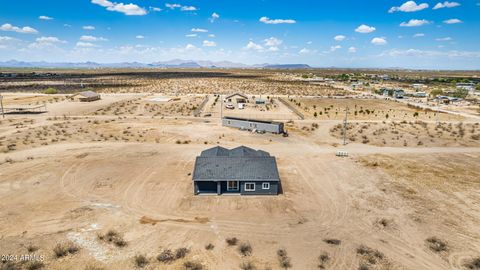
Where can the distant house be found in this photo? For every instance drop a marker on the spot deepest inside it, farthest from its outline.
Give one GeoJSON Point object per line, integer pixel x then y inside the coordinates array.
{"type": "Point", "coordinates": [85, 96]}
{"type": "Point", "coordinates": [236, 98]}
{"type": "Point", "coordinates": [470, 87]}
{"type": "Point", "coordinates": [396, 93]}
{"type": "Point", "coordinates": [241, 170]}
{"type": "Point", "coordinates": [418, 86]}
{"type": "Point", "coordinates": [253, 125]}
{"type": "Point", "coordinates": [420, 94]}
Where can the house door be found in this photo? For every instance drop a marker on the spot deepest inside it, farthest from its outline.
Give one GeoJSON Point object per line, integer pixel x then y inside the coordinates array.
{"type": "Point", "coordinates": [232, 185]}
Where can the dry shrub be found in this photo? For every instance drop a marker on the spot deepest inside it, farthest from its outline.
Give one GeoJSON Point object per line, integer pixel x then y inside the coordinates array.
{"type": "Point", "coordinates": [35, 265]}
{"type": "Point", "coordinates": [114, 237]}
{"type": "Point", "coordinates": [247, 266]}
{"type": "Point", "coordinates": [166, 256]}
{"type": "Point", "coordinates": [436, 244]}
{"type": "Point", "coordinates": [245, 249]}
{"type": "Point", "coordinates": [210, 246]}
{"type": "Point", "coordinates": [332, 241]}
{"type": "Point", "coordinates": [63, 249]}
{"type": "Point", "coordinates": [371, 255]}
{"type": "Point", "coordinates": [193, 265]}
{"type": "Point", "coordinates": [323, 260]}
{"type": "Point", "coordinates": [473, 264]}
{"type": "Point", "coordinates": [284, 260]}
{"type": "Point", "coordinates": [232, 241]}
{"type": "Point", "coordinates": [140, 261]}
{"type": "Point", "coordinates": [181, 253]}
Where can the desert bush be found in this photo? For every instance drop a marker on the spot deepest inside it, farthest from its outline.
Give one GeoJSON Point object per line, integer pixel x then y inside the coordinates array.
{"type": "Point", "coordinates": [231, 241]}
{"type": "Point", "coordinates": [140, 261]}
{"type": "Point", "coordinates": [284, 260]}
{"type": "Point", "coordinates": [50, 91]}
{"type": "Point", "coordinates": [9, 265]}
{"type": "Point", "coordinates": [114, 237]}
{"type": "Point", "coordinates": [245, 249]}
{"type": "Point", "coordinates": [181, 253]}
{"type": "Point", "coordinates": [363, 267]}
{"type": "Point", "coordinates": [247, 266]}
{"type": "Point", "coordinates": [281, 253]}
{"type": "Point", "coordinates": [210, 246]}
{"type": "Point", "coordinates": [35, 265]}
{"type": "Point", "coordinates": [192, 265]}
{"type": "Point", "coordinates": [63, 249]}
{"type": "Point", "coordinates": [473, 264]}
{"type": "Point", "coordinates": [371, 255]}
{"type": "Point", "coordinates": [323, 259]}
{"type": "Point", "coordinates": [93, 267]}
{"type": "Point", "coordinates": [436, 244]}
{"type": "Point", "coordinates": [32, 248]}
{"type": "Point", "coordinates": [332, 241]}
{"type": "Point", "coordinates": [166, 256]}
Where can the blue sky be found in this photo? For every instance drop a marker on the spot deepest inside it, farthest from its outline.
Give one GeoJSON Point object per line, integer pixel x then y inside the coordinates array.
{"type": "Point", "coordinates": [370, 33]}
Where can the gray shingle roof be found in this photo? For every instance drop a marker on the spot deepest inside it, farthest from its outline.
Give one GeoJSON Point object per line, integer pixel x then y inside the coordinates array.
{"type": "Point", "coordinates": [241, 163]}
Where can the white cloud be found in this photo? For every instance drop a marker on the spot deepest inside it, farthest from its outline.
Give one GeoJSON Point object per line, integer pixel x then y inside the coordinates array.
{"type": "Point", "coordinates": [49, 40]}
{"type": "Point", "coordinates": [446, 4]}
{"type": "Point", "coordinates": [365, 29]}
{"type": "Point", "coordinates": [88, 27]}
{"type": "Point", "coordinates": [334, 48]}
{"type": "Point", "coordinates": [127, 9]}
{"type": "Point", "coordinates": [309, 42]}
{"type": "Point", "coordinates": [199, 30]}
{"type": "Point", "coordinates": [339, 37]}
{"type": "Point", "coordinates": [429, 54]}
{"type": "Point", "coordinates": [182, 8]}
{"type": "Point", "coordinates": [409, 6]}
{"type": "Point", "coordinates": [188, 8]}
{"type": "Point", "coordinates": [45, 18]}
{"type": "Point", "coordinates": [156, 9]}
{"type": "Point", "coordinates": [305, 51]}
{"type": "Point", "coordinates": [267, 20]}
{"type": "Point", "coordinates": [273, 49]}
{"type": "Point", "coordinates": [92, 38]}
{"type": "Point", "coordinates": [139, 37]}
{"type": "Point", "coordinates": [352, 50]}
{"type": "Point", "coordinates": [444, 39]}
{"type": "Point", "coordinates": [190, 47]}
{"type": "Point", "coordinates": [272, 42]}
{"type": "Point", "coordinates": [23, 30]}
{"type": "Point", "coordinates": [414, 22]}
{"type": "Point", "coordinates": [419, 35]}
{"type": "Point", "coordinates": [208, 43]}
{"type": "Point", "coordinates": [81, 44]}
{"type": "Point", "coordinates": [191, 35]}
{"type": "Point", "coordinates": [214, 17]}
{"type": "Point", "coordinates": [66, 25]}
{"type": "Point", "coordinates": [211, 36]}
{"type": "Point", "coordinates": [379, 41]}
{"type": "Point", "coordinates": [253, 46]}
{"type": "Point", "coordinates": [452, 21]}
{"type": "Point", "coordinates": [173, 6]}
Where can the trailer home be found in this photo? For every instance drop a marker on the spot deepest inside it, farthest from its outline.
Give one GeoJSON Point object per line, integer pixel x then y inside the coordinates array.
{"type": "Point", "coordinates": [253, 125]}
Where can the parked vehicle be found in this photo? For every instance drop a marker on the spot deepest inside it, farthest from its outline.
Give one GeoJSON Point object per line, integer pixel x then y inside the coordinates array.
{"type": "Point", "coordinates": [229, 106]}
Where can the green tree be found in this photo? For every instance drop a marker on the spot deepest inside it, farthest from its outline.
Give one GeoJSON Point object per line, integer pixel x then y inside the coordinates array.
{"type": "Point", "coordinates": [50, 91]}
{"type": "Point", "coordinates": [436, 92]}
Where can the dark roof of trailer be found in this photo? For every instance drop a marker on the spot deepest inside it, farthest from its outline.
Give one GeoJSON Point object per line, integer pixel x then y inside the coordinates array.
{"type": "Point", "coordinates": [252, 120]}
{"type": "Point", "coordinates": [241, 163]}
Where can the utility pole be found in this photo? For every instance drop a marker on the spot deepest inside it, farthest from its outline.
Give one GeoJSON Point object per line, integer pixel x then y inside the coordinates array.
{"type": "Point", "coordinates": [1, 105]}
{"type": "Point", "coordinates": [345, 126]}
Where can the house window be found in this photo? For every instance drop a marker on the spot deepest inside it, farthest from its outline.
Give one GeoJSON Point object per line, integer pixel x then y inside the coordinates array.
{"type": "Point", "coordinates": [265, 185]}
{"type": "Point", "coordinates": [249, 186]}
{"type": "Point", "coordinates": [232, 185]}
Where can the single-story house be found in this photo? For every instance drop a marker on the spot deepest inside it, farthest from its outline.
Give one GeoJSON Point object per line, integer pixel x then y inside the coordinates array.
{"type": "Point", "coordinates": [85, 96]}
{"type": "Point", "coordinates": [241, 170]}
{"type": "Point", "coordinates": [237, 98]}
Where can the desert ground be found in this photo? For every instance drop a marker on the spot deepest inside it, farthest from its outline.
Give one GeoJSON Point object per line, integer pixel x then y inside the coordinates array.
{"type": "Point", "coordinates": [107, 184]}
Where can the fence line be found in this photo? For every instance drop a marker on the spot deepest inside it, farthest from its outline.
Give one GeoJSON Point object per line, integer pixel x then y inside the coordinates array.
{"type": "Point", "coordinates": [293, 109]}
{"type": "Point", "coordinates": [199, 110]}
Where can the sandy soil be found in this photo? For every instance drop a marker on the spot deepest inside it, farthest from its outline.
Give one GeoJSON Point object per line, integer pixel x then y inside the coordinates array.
{"type": "Point", "coordinates": [365, 109]}
{"type": "Point", "coordinates": [82, 169]}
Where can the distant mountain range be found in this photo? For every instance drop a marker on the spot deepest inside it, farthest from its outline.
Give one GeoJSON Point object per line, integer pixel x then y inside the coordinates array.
{"type": "Point", "coordinates": [176, 63]}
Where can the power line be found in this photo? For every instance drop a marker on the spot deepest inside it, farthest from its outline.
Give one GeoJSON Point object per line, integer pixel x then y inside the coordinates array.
{"type": "Point", "coordinates": [1, 105]}
{"type": "Point", "coordinates": [345, 126]}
